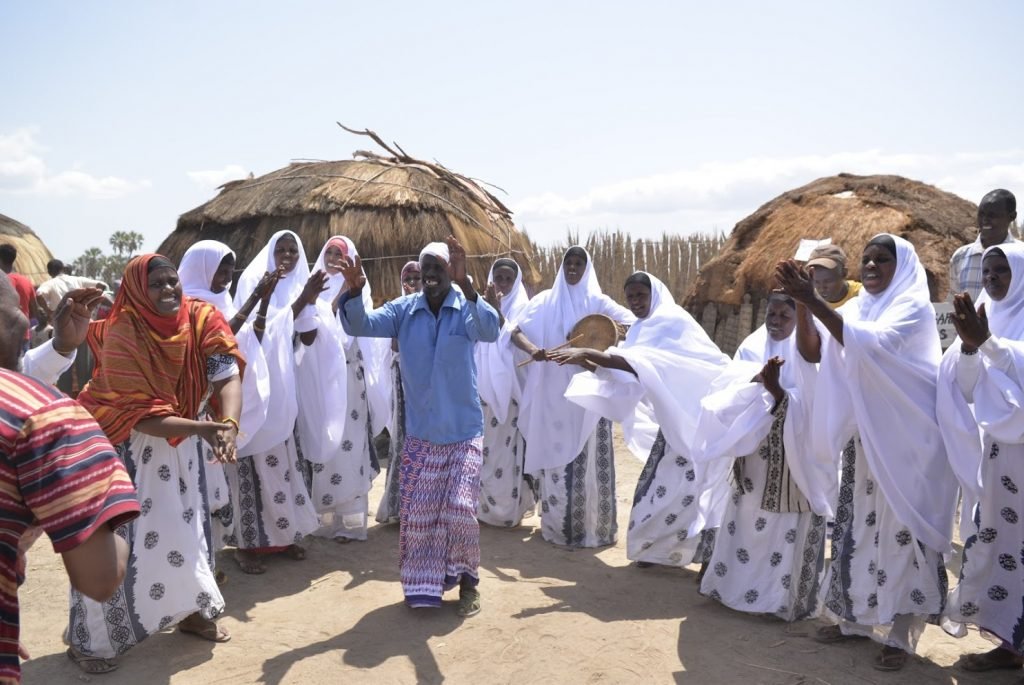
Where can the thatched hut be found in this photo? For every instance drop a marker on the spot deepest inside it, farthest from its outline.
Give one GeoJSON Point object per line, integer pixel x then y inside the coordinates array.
{"type": "Point", "coordinates": [389, 206]}
{"type": "Point", "coordinates": [850, 210]}
{"type": "Point", "coordinates": [32, 253]}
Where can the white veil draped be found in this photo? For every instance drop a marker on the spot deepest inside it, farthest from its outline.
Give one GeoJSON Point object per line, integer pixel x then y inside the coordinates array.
{"type": "Point", "coordinates": [497, 377]}
{"type": "Point", "coordinates": [881, 383]}
{"type": "Point", "coordinates": [555, 429]}
{"type": "Point", "coordinates": [198, 265]}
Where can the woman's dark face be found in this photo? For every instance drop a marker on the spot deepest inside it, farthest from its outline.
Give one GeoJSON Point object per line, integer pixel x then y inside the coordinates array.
{"type": "Point", "coordinates": [877, 267]}
{"type": "Point", "coordinates": [504, 279]}
{"type": "Point", "coordinates": [222, 277]}
{"type": "Point", "coordinates": [638, 299]}
{"type": "Point", "coordinates": [286, 253]}
{"type": "Point", "coordinates": [780, 320]}
{"type": "Point", "coordinates": [995, 276]}
{"type": "Point", "coordinates": [164, 290]}
{"type": "Point", "coordinates": [573, 267]}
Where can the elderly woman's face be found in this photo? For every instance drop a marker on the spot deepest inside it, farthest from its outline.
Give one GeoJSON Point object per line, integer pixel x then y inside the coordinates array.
{"type": "Point", "coordinates": [223, 276]}
{"type": "Point", "coordinates": [779, 320]}
{"type": "Point", "coordinates": [877, 267]}
{"type": "Point", "coordinates": [164, 290]}
{"type": "Point", "coordinates": [286, 253]}
{"type": "Point", "coordinates": [504, 279]}
{"type": "Point", "coordinates": [638, 299]}
{"type": "Point", "coordinates": [573, 267]}
{"type": "Point", "coordinates": [995, 276]}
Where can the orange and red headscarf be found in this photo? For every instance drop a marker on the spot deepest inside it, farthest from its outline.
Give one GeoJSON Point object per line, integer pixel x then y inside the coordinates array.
{"type": "Point", "coordinates": [148, 364]}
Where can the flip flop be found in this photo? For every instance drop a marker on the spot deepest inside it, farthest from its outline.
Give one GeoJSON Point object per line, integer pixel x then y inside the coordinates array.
{"type": "Point", "coordinates": [995, 660]}
{"type": "Point", "coordinates": [93, 665]}
{"type": "Point", "coordinates": [890, 659]}
{"type": "Point", "coordinates": [209, 630]}
{"type": "Point", "coordinates": [469, 602]}
{"type": "Point", "coordinates": [295, 553]}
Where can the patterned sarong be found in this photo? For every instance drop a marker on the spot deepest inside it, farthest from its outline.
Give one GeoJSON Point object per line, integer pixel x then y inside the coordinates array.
{"type": "Point", "coordinates": [439, 539]}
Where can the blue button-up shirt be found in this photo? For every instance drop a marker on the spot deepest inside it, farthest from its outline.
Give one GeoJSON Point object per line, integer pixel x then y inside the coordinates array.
{"type": "Point", "coordinates": [442, 405]}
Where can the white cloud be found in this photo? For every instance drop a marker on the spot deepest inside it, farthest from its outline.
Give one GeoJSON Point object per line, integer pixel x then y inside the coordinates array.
{"type": "Point", "coordinates": [716, 195]}
{"type": "Point", "coordinates": [24, 171]}
{"type": "Point", "coordinates": [214, 178]}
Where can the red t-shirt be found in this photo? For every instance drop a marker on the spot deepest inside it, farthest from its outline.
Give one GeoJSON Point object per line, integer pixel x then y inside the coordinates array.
{"type": "Point", "coordinates": [26, 291]}
{"type": "Point", "coordinates": [57, 471]}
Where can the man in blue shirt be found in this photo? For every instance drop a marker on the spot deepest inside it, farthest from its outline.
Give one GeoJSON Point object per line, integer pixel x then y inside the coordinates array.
{"type": "Point", "coordinates": [439, 537]}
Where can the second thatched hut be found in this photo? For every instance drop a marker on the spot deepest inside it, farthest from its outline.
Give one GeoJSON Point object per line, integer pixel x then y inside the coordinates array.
{"type": "Point", "coordinates": [728, 296]}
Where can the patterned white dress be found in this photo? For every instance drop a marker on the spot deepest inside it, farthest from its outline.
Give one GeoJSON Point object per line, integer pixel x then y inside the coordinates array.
{"type": "Point", "coordinates": [578, 506]}
{"type": "Point", "coordinates": [340, 485]}
{"type": "Point", "coordinates": [879, 573]}
{"type": "Point", "coordinates": [766, 561]}
{"type": "Point", "coordinates": [505, 494]}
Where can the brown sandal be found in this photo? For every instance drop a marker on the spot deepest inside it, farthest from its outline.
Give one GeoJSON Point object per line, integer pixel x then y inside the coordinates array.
{"type": "Point", "coordinates": [890, 659]}
{"type": "Point", "coordinates": [93, 665]}
{"type": "Point", "coordinates": [249, 563]}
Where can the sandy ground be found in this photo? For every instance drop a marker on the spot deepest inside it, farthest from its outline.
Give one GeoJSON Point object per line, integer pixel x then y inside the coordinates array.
{"type": "Point", "coordinates": [549, 613]}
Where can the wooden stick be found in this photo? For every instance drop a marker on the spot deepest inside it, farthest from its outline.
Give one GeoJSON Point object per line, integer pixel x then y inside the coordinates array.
{"type": "Point", "coordinates": [568, 343]}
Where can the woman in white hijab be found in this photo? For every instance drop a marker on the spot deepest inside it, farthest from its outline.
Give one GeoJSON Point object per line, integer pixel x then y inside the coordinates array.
{"type": "Point", "coordinates": [676, 502]}
{"type": "Point", "coordinates": [769, 555]}
{"type": "Point", "coordinates": [206, 272]}
{"type": "Point", "coordinates": [273, 510]}
{"type": "Point", "coordinates": [569, 449]}
{"type": "Point", "coordinates": [388, 509]}
{"type": "Point", "coordinates": [984, 368]}
{"type": "Point", "coordinates": [875, 403]}
{"type": "Point", "coordinates": [505, 494]}
{"type": "Point", "coordinates": [335, 438]}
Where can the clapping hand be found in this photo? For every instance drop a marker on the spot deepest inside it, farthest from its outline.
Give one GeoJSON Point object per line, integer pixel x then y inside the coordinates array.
{"type": "Point", "coordinates": [316, 284]}
{"type": "Point", "coordinates": [769, 378]}
{"type": "Point", "coordinates": [971, 325]}
{"type": "Point", "coordinates": [795, 281]}
{"type": "Point", "coordinates": [493, 297]}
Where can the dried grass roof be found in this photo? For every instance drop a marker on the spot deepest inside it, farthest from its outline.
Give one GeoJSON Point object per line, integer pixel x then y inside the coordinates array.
{"type": "Point", "coordinates": [390, 206]}
{"type": "Point", "coordinates": [32, 253]}
{"type": "Point", "coordinates": [850, 210]}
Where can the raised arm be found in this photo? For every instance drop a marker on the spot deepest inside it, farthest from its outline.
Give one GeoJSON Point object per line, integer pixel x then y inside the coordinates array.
{"type": "Point", "coordinates": [380, 323]}
{"type": "Point", "coordinates": [796, 282]}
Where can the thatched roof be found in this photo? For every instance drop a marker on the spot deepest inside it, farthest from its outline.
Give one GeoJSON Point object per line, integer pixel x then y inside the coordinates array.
{"type": "Point", "coordinates": [389, 206]}
{"type": "Point", "coordinates": [849, 209]}
{"type": "Point", "coordinates": [32, 253]}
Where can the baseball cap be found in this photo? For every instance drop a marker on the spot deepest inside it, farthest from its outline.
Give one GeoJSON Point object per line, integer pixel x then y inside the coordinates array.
{"type": "Point", "coordinates": [828, 256]}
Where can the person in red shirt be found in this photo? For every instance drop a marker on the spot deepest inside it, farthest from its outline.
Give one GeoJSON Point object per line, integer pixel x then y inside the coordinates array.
{"type": "Point", "coordinates": [59, 475]}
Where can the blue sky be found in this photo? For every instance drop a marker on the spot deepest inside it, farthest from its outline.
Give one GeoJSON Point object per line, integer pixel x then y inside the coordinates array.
{"type": "Point", "coordinates": [649, 117]}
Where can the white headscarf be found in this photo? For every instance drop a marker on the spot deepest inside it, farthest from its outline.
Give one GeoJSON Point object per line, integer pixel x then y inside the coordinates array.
{"type": "Point", "coordinates": [198, 266]}
{"type": "Point", "coordinates": [996, 394]}
{"type": "Point", "coordinates": [736, 417]}
{"type": "Point", "coordinates": [669, 351]}
{"type": "Point", "coordinates": [999, 395]}
{"type": "Point", "coordinates": [439, 250]}
{"type": "Point", "coordinates": [277, 340]}
{"type": "Point", "coordinates": [881, 384]}
{"type": "Point", "coordinates": [497, 379]}
{"type": "Point", "coordinates": [557, 428]}
{"type": "Point", "coordinates": [288, 288]}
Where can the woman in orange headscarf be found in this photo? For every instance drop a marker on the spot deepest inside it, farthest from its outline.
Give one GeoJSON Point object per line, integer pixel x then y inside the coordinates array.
{"type": "Point", "coordinates": [160, 359]}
